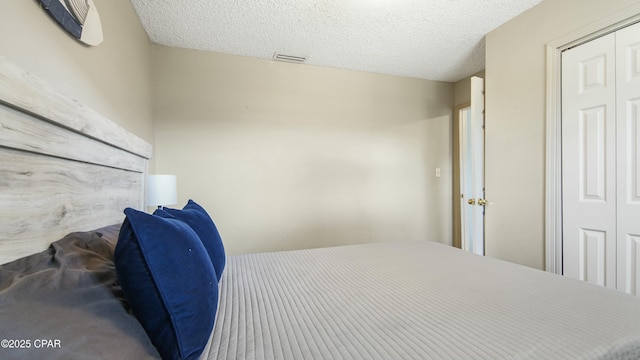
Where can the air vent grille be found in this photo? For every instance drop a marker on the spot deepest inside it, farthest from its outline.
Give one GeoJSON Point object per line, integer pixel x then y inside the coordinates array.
{"type": "Point", "coordinates": [289, 58]}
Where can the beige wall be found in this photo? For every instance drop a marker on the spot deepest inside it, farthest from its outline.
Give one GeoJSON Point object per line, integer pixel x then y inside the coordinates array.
{"type": "Point", "coordinates": [288, 156]}
{"type": "Point", "coordinates": [113, 78]}
{"type": "Point", "coordinates": [515, 123]}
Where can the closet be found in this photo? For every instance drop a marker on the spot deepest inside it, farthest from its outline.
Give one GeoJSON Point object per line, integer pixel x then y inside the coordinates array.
{"type": "Point", "coordinates": [601, 160]}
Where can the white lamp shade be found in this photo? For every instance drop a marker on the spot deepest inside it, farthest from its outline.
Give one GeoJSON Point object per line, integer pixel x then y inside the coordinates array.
{"type": "Point", "coordinates": [161, 190]}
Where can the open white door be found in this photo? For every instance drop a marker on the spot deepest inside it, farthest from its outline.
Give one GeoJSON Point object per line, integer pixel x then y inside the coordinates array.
{"type": "Point", "coordinates": [472, 170]}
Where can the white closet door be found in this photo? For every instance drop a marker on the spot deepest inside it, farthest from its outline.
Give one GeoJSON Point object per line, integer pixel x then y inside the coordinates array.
{"type": "Point", "coordinates": [628, 144]}
{"type": "Point", "coordinates": [589, 162]}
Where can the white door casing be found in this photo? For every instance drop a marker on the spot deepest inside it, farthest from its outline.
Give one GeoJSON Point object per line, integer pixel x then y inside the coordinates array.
{"type": "Point", "coordinates": [628, 158]}
{"type": "Point", "coordinates": [589, 162]}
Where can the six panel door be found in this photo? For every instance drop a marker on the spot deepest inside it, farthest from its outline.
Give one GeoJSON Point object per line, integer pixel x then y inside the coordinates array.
{"type": "Point", "coordinates": [588, 162]}
{"type": "Point", "coordinates": [601, 160]}
{"type": "Point", "coordinates": [628, 152]}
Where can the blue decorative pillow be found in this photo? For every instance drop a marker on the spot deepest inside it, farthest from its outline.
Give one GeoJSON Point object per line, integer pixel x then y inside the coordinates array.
{"type": "Point", "coordinates": [196, 216]}
{"type": "Point", "coordinates": [169, 282]}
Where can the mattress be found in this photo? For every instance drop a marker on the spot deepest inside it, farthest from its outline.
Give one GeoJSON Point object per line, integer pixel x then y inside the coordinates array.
{"type": "Point", "coordinates": [414, 300]}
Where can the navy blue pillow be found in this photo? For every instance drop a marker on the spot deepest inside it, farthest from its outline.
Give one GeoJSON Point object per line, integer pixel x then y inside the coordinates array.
{"type": "Point", "coordinates": [196, 216]}
{"type": "Point", "coordinates": [169, 282]}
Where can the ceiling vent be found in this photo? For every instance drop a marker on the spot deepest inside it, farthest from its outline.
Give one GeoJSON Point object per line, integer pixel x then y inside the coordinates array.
{"type": "Point", "coordinates": [289, 58]}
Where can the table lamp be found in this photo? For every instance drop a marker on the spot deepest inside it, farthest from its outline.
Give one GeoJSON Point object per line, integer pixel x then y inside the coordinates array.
{"type": "Point", "coordinates": [161, 190]}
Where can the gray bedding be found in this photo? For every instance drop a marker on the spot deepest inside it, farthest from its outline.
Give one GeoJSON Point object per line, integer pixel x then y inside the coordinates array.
{"type": "Point", "coordinates": [65, 303]}
{"type": "Point", "coordinates": [394, 300]}
{"type": "Point", "coordinates": [414, 301]}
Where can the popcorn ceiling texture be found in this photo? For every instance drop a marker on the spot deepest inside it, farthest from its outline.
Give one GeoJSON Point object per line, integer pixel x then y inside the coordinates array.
{"type": "Point", "coordinates": [428, 39]}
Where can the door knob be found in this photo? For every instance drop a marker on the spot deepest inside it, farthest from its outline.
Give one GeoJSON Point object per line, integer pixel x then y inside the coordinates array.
{"type": "Point", "coordinates": [471, 202]}
{"type": "Point", "coordinates": [482, 202]}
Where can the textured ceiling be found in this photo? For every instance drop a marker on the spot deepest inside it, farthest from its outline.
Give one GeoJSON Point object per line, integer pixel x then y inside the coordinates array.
{"type": "Point", "coordinates": [428, 39]}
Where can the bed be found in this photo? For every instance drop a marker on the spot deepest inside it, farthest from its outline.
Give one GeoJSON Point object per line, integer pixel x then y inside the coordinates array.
{"type": "Point", "coordinates": [67, 175]}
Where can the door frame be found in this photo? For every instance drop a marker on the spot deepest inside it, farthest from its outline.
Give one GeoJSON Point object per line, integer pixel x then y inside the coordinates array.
{"type": "Point", "coordinates": [457, 192]}
{"type": "Point", "coordinates": [553, 146]}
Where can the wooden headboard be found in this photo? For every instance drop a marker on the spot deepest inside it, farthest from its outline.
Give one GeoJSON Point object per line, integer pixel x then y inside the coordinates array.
{"type": "Point", "coordinates": [63, 167]}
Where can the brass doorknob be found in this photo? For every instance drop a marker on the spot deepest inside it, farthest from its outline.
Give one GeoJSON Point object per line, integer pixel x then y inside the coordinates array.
{"type": "Point", "coordinates": [482, 202]}
{"type": "Point", "coordinates": [471, 202]}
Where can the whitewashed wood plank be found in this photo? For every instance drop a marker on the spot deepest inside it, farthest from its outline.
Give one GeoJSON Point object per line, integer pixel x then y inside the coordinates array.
{"type": "Point", "coordinates": [25, 91]}
{"type": "Point", "coordinates": [25, 132]}
{"type": "Point", "coordinates": [44, 198]}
